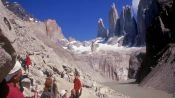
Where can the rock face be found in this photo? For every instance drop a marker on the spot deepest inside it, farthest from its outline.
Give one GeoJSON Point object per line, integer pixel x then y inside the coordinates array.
{"type": "Point", "coordinates": [53, 31]}
{"type": "Point", "coordinates": [162, 76]}
{"type": "Point", "coordinates": [128, 26]}
{"type": "Point", "coordinates": [109, 64]}
{"type": "Point", "coordinates": [113, 18]}
{"type": "Point", "coordinates": [102, 32]}
{"type": "Point", "coordinates": [160, 39]}
{"type": "Point", "coordinates": [7, 56]}
{"type": "Point", "coordinates": [147, 9]}
{"type": "Point", "coordinates": [135, 62]}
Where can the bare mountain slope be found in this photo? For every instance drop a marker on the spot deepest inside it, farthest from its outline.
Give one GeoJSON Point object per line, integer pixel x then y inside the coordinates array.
{"type": "Point", "coordinates": [46, 55]}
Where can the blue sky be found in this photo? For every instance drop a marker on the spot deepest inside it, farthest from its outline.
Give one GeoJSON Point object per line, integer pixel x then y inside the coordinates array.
{"type": "Point", "coordinates": [77, 18]}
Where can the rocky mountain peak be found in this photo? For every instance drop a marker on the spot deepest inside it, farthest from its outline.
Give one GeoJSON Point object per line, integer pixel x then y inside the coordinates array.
{"type": "Point", "coordinates": [53, 30]}
{"type": "Point", "coordinates": [113, 6]}
{"type": "Point", "coordinates": [128, 26]}
{"type": "Point", "coordinates": [18, 10]}
{"type": "Point", "coordinates": [102, 32]}
{"type": "Point", "coordinates": [113, 17]}
{"type": "Point", "coordinates": [123, 29]}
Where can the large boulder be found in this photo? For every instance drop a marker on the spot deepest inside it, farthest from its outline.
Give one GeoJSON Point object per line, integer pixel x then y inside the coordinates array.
{"type": "Point", "coordinates": [7, 56]}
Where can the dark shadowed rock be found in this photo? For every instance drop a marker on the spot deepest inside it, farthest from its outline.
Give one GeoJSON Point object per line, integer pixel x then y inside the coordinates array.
{"type": "Point", "coordinates": [135, 61]}
{"type": "Point", "coordinates": [160, 51]}
{"type": "Point", "coordinates": [7, 56]}
{"type": "Point", "coordinates": [102, 32]}
{"type": "Point", "coordinates": [147, 10]}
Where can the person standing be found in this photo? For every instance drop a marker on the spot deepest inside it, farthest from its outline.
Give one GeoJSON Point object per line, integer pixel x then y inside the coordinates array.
{"type": "Point", "coordinates": [28, 63]}
{"type": "Point", "coordinates": [50, 89]}
{"type": "Point", "coordinates": [77, 85]}
{"type": "Point", "coordinates": [10, 88]}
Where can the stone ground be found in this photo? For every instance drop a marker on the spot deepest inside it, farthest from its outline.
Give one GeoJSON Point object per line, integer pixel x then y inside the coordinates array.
{"type": "Point", "coordinates": [135, 91]}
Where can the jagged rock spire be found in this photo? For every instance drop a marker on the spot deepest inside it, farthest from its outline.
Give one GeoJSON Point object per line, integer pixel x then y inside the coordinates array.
{"type": "Point", "coordinates": [102, 32]}
{"type": "Point", "coordinates": [128, 26]}
{"type": "Point", "coordinates": [113, 17]}
{"type": "Point", "coordinates": [53, 30]}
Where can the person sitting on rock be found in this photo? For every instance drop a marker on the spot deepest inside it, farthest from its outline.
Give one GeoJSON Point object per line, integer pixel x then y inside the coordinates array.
{"type": "Point", "coordinates": [10, 88]}
{"type": "Point", "coordinates": [77, 85]}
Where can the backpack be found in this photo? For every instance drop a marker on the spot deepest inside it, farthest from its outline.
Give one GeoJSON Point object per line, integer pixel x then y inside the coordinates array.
{"type": "Point", "coordinates": [48, 82]}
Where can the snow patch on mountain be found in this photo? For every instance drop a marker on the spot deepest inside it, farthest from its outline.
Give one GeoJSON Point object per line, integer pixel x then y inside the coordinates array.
{"type": "Point", "coordinates": [96, 45]}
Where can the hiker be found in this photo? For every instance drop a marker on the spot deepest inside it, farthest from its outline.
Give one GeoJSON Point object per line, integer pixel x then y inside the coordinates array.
{"type": "Point", "coordinates": [28, 63]}
{"type": "Point", "coordinates": [63, 94]}
{"type": "Point", "coordinates": [77, 85]}
{"type": "Point", "coordinates": [72, 94]}
{"type": "Point", "coordinates": [50, 89]}
{"type": "Point", "coordinates": [10, 88]}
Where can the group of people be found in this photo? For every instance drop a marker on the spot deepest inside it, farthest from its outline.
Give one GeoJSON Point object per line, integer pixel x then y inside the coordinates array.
{"type": "Point", "coordinates": [10, 87]}
{"type": "Point", "coordinates": [50, 89]}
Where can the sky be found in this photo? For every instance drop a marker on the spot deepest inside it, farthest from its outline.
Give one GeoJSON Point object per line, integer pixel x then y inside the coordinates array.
{"type": "Point", "coordinates": [77, 18]}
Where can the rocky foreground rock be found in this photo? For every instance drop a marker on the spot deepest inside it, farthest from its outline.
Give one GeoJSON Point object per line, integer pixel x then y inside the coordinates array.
{"type": "Point", "coordinates": [7, 57]}
{"type": "Point", "coordinates": [158, 66]}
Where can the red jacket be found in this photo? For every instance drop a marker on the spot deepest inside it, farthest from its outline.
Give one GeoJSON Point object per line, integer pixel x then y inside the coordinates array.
{"type": "Point", "coordinates": [9, 90]}
{"type": "Point", "coordinates": [28, 61]}
{"type": "Point", "coordinates": [77, 84]}
{"type": "Point", "coordinates": [14, 91]}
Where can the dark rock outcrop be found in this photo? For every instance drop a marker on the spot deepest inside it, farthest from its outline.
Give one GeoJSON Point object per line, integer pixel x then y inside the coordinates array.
{"type": "Point", "coordinates": [102, 32]}
{"type": "Point", "coordinates": [147, 10]}
{"type": "Point", "coordinates": [7, 56]}
{"type": "Point", "coordinates": [160, 51]}
{"type": "Point", "coordinates": [135, 61]}
{"type": "Point", "coordinates": [113, 19]}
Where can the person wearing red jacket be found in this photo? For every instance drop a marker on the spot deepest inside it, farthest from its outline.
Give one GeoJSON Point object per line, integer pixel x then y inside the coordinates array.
{"type": "Point", "coordinates": [77, 85]}
{"type": "Point", "coordinates": [28, 63]}
{"type": "Point", "coordinates": [10, 88]}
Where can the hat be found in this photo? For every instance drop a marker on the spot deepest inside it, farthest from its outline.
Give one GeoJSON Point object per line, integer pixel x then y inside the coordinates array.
{"type": "Point", "coordinates": [16, 67]}
{"type": "Point", "coordinates": [13, 71]}
{"type": "Point", "coordinates": [63, 92]}
{"type": "Point", "coordinates": [26, 80]}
